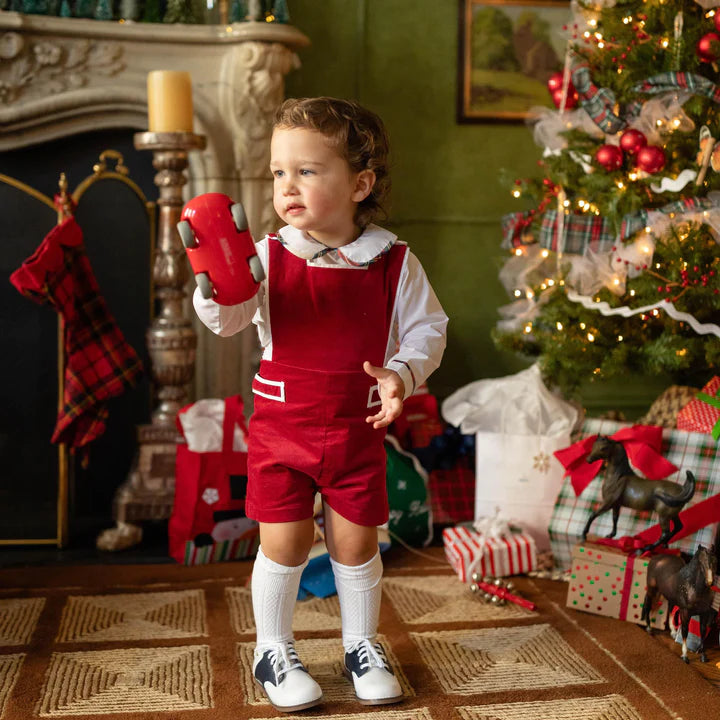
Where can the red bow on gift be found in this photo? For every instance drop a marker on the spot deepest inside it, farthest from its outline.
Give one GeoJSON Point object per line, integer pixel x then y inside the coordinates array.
{"type": "Point", "coordinates": [642, 444]}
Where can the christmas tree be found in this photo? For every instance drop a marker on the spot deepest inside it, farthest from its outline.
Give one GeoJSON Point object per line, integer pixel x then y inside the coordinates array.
{"type": "Point", "coordinates": [615, 265]}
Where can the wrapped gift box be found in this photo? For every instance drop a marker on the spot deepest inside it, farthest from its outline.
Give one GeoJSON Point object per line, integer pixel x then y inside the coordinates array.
{"type": "Point", "coordinates": [606, 581]}
{"type": "Point", "coordinates": [468, 552]}
{"type": "Point", "coordinates": [701, 416]}
{"type": "Point", "coordinates": [688, 451]}
{"type": "Point", "coordinates": [452, 494]}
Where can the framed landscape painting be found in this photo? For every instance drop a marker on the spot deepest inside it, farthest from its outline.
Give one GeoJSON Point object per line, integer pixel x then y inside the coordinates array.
{"type": "Point", "coordinates": [507, 51]}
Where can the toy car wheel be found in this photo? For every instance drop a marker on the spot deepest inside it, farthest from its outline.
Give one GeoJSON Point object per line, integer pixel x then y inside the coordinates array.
{"type": "Point", "coordinates": [186, 234]}
{"type": "Point", "coordinates": [238, 213]}
{"type": "Point", "coordinates": [256, 269]}
{"type": "Point", "coordinates": [203, 282]}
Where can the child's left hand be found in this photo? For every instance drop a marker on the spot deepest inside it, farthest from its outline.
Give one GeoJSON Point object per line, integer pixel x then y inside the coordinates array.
{"type": "Point", "coordinates": [391, 389]}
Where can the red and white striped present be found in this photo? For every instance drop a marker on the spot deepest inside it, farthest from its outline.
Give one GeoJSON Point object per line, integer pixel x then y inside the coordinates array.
{"type": "Point", "coordinates": [703, 413]}
{"type": "Point", "coordinates": [469, 552]}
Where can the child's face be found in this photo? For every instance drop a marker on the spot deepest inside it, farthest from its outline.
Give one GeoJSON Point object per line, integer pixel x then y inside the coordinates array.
{"type": "Point", "coordinates": [314, 187]}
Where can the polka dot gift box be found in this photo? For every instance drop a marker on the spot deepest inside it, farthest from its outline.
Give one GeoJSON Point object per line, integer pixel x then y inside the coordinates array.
{"type": "Point", "coordinates": [606, 581]}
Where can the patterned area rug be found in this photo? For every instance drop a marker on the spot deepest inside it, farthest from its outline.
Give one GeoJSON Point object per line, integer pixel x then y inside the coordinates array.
{"type": "Point", "coordinates": [152, 642]}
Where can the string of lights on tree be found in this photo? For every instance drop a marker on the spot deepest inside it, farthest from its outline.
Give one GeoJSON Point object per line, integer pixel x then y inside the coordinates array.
{"type": "Point", "coordinates": [615, 260]}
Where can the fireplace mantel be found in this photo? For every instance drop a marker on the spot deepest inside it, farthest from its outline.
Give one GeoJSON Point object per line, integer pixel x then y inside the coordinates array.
{"type": "Point", "coordinates": [66, 76]}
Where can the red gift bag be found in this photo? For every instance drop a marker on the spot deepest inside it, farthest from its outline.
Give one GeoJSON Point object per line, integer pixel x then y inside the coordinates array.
{"type": "Point", "coordinates": [208, 521]}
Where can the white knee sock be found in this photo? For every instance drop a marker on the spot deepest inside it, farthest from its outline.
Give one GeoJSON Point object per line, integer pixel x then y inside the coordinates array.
{"type": "Point", "coordinates": [359, 590]}
{"type": "Point", "coordinates": [274, 592]}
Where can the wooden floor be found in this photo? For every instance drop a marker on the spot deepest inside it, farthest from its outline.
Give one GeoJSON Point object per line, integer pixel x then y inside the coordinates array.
{"type": "Point", "coordinates": [81, 549]}
{"type": "Point", "coordinates": [153, 550]}
{"type": "Point", "coordinates": [709, 670]}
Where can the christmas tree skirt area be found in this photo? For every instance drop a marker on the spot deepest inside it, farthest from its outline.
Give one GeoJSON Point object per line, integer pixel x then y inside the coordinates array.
{"type": "Point", "coordinates": [168, 641]}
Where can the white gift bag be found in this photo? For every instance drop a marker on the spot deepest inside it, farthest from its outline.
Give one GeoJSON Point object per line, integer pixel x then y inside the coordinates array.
{"type": "Point", "coordinates": [519, 475]}
{"type": "Point", "coordinates": [518, 424]}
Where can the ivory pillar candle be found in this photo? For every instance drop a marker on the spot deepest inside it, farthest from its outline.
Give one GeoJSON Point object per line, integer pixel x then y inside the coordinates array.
{"type": "Point", "coordinates": [170, 107]}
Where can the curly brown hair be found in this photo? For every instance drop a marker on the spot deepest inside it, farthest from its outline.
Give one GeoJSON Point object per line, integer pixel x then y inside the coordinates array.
{"type": "Point", "coordinates": [358, 134]}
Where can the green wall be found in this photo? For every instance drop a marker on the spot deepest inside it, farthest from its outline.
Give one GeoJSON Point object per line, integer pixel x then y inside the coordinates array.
{"type": "Point", "coordinates": [400, 59]}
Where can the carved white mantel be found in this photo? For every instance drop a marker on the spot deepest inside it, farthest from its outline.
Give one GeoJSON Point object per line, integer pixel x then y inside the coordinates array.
{"type": "Point", "coordinates": [61, 77]}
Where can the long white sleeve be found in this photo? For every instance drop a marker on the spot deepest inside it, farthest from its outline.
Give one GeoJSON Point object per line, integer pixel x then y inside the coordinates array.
{"type": "Point", "coordinates": [418, 340]}
{"type": "Point", "coordinates": [417, 336]}
{"type": "Point", "coordinates": [225, 320]}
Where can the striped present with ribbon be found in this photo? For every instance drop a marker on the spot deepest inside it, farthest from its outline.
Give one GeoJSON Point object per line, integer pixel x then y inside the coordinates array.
{"type": "Point", "coordinates": [702, 414]}
{"type": "Point", "coordinates": [236, 549]}
{"type": "Point", "coordinates": [606, 581]}
{"type": "Point", "coordinates": [470, 552]}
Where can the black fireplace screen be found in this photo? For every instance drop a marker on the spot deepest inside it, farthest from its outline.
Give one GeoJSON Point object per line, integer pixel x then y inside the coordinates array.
{"type": "Point", "coordinates": [118, 240]}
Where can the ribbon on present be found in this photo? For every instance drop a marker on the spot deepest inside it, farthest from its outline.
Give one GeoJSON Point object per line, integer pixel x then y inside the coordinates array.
{"type": "Point", "coordinates": [496, 527]}
{"type": "Point", "coordinates": [713, 402]}
{"type": "Point", "coordinates": [642, 444]}
{"type": "Point", "coordinates": [693, 519]}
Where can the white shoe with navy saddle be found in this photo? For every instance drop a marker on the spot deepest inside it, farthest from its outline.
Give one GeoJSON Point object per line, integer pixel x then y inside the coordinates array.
{"type": "Point", "coordinates": [374, 680]}
{"type": "Point", "coordinates": [286, 682]}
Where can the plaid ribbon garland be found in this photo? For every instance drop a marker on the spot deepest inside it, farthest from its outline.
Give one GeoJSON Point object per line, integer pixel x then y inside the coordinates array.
{"type": "Point", "coordinates": [692, 451]}
{"type": "Point", "coordinates": [668, 81]}
{"type": "Point", "coordinates": [634, 222]}
{"type": "Point", "coordinates": [512, 226]}
{"type": "Point", "coordinates": [598, 103]}
{"type": "Point", "coordinates": [581, 232]}
{"type": "Point", "coordinates": [601, 103]}
{"type": "Point", "coordinates": [592, 231]}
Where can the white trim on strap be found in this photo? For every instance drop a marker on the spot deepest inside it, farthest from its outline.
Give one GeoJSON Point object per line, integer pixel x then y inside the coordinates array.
{"type": "Point", "coordinates": [274, 383]}
{"type": "Point", "coordinates": [371, 402]}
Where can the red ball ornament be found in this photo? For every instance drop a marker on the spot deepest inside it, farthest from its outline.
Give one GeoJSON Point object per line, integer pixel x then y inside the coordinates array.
{"type": "Point", "coordinates": [651, 159]}
{"type": "Point", "coordinates": [708, 47]}
{"type": "Point", "coordinates": [632, 140]}
{"type": "Point", "coordinates": [610, 157]}
{"type": "Point", "coordinates": [571, 100]}
{"type": "Point", "coordinates": [555, 82]}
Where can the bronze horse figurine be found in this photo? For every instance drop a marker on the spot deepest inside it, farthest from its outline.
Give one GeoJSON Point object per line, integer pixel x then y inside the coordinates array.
{"type": "Point", "coordinates": [687, 585]}
{"type": "Point", "coordinates": [623, 488]}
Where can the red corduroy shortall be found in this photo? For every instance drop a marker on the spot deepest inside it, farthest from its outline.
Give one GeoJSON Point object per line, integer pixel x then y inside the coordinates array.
{"type": "Point", "coordinates": [308, 431]}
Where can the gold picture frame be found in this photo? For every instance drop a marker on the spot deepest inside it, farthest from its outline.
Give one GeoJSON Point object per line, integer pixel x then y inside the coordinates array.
{"type": "Point", "coordinates": [507, 49]}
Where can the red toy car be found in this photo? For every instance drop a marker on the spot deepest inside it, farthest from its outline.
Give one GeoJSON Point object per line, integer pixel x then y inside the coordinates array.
{"type": "Point", "coordinates": [214, 231]}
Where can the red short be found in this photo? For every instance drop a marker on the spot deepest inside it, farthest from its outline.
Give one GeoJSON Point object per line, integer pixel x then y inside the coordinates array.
{"type": "Point", "coordinates": [308, 434]}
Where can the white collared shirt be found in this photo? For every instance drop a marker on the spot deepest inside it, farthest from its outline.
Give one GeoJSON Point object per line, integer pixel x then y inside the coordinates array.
{"type": "Point", "coordinates": [417, 336]}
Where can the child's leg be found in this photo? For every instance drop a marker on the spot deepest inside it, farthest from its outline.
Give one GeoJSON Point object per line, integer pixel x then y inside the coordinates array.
{"type": "Point", "coordinates": [281, 558]}
{"type": "Point", "coordinates": [357, 567]}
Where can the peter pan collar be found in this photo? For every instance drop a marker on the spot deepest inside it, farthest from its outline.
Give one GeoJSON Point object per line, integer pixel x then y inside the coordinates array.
{"type": "Point", "coordinates": [374, 242]}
